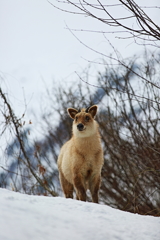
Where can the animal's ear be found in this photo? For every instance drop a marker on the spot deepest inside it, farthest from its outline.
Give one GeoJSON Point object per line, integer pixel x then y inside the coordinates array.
{"type": "Point", "coordinates": [93, 110]}
{"type": "Point", "coordinates": [72, 112]}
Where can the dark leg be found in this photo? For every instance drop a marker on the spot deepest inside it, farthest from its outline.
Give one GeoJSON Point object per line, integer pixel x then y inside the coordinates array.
{"type": "Point", "coordinates": [66, 186]}
{"type": "Point", "coordinates": [94, 188]}
{"type": "Point", "coordinates": [80, 189]}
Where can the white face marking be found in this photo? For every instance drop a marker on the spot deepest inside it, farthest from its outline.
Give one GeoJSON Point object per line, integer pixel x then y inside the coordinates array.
{"type": "Point", "coordinates": [88, 130]}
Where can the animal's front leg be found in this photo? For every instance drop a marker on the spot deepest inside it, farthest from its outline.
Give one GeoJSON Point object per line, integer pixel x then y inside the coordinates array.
{"type": "Point", "coordinates": [94, 188]}
{"type": "Point", "coordinates": [66, 186]}
{"type": "Point", "coordinates": [79, 187]}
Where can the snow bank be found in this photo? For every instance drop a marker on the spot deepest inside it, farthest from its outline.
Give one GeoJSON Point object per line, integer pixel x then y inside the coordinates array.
{"type": "Point", "coordinates": [24, 217]}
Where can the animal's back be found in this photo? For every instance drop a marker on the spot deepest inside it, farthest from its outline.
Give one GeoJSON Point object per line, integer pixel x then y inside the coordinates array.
{"type": "Point", "coordinates": [64, 160]}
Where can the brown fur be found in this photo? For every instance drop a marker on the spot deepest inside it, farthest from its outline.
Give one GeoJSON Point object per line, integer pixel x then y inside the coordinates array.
{"type": "Point", "coordinates": [81, 158]}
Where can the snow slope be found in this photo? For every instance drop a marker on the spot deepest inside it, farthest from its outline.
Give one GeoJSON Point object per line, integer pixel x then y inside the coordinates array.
{"type": "Point", "coordinates": [24, 217]}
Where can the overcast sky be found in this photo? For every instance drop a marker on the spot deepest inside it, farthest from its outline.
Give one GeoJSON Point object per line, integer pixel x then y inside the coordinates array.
{"type": "Point", "coordinates": [35, 44]}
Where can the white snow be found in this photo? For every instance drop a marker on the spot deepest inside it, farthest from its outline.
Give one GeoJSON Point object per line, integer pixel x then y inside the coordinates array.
{"type": "Point", "coordinates": [24, 217]}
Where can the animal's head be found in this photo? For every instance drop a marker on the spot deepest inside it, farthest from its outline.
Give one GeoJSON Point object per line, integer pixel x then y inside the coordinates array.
{"type": "Point", "coordinates": [84, 124]}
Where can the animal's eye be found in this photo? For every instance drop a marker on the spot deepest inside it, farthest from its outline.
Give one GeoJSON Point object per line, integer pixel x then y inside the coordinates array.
{"type": "Point", "coordinates": [76, 118]}
{"type": "Point", "coordinates": [87, 118]}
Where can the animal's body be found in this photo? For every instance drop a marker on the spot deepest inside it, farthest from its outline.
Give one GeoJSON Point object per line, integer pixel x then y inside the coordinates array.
{"type": "Point", "coordinates": [81, 158]}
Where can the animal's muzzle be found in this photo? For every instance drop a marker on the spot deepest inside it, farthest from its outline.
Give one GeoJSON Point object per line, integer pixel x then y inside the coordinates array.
{"type": "Point", "coordinates": [80, 127]}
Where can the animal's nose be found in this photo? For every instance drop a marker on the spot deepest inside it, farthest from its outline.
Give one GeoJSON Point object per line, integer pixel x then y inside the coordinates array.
{"type": "Point", "coordinates": [80, 127]}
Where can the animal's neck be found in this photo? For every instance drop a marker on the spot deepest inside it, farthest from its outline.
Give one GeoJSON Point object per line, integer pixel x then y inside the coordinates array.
{"type": "Point", "coordinates": [91, 143]}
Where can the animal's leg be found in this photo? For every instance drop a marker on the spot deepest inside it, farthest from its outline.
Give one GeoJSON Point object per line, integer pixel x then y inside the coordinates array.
{"type": "Point", "coordinates": [79, 186]}
{"type": "Point", "coordinates": [66, 186]}
{"type": "Point", "coordinates": [94, 186]}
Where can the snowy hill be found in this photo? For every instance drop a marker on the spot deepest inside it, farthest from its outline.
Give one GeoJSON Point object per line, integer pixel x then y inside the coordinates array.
{"type": "Point", "coordinates": [24, 217]}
